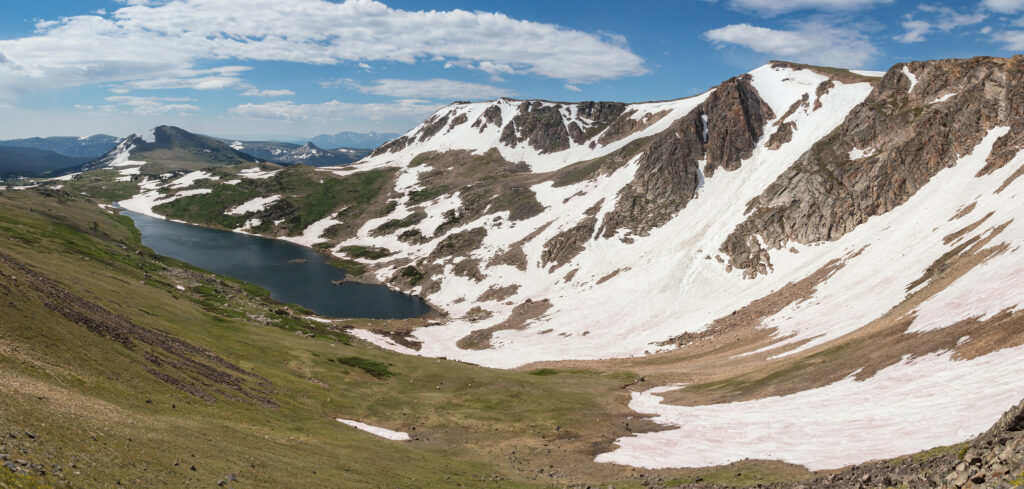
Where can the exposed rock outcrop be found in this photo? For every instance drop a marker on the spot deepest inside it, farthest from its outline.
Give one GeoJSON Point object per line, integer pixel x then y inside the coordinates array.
{"type": "Point", "coordinates": [722, 131]}
{"type": "Point", "coordinates": [916, 131]}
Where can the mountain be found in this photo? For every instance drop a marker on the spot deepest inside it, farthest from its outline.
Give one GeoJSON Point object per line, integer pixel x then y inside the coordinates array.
{"type": "Point", "coordinates": [793, 245]}
{"type": "Point", "coordinates": [76, 147]}
{"type": "Point", "coordinates": [32, 162]}
{"type": "Point", "coordinates": [116, 361]}
{"type": "Point", "coordinates": [357, 140]}
{"type": "Point", "coordinates": [289, 153]}
{"type": "Point", "coordinates": [167, 149]}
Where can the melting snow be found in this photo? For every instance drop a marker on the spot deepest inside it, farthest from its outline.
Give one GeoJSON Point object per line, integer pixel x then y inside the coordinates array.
{"type": "Point", "coordinates": [914, 405]}
{"type": "Point", "coordinates": [376, 430]}
{"type": "Point", "coordinates": [873, 74]}
{"type": "Point", "coordinates": [911, 77]}
{"type": "Point", "coordinates": [254, 205]}
{"type": "Point", "coordinates": [857, 153]}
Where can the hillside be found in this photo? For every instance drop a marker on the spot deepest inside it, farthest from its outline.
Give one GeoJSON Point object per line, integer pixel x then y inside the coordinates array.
{"type": "Point", "coordinates": [169, 149]}
{"type": "Point", "coordinates": [791, 245]}
{"type": "Point", "coordinates": [89, 147]}
{"type": "Point", "coordinates": [31, 162]}
{"type": "Point", "coordinates": [177, 382]}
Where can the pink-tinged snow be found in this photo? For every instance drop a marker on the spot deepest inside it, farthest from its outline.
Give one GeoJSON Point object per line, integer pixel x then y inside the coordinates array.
{"type": "Point", "coordinates": [910, 76]}
{"type": "Point", "coordinates": [669, 279]}
{"type": "Point", "coordinates": [910, 236]}
{"type": "Point", "coordinates": [254, 205]}
{"type": "Point", "coordinates": [376, 430]}
{"type": "Point", "coordinates": [916, 404]}
{"type": "Point", "coordinates": [189, 179]}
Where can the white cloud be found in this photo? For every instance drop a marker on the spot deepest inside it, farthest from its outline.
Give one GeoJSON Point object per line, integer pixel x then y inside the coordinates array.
{"type": "Point", "coordinates": [574, 88]}
{"type": "Point", "coordinates": [335, 111]}
{"type": "Point", "coordinates": [985, 30]}
{"type": "Point", "coordinates": [812, 42]}
{"type": "Point", "coordinates": [916, 30]}
{"type": "Point", "coordinates": [153, 105]}
{"type": "Point", "coordinates": [252, 92]}
{"type": "Point", "coordinates": [944, 19]}
{"type": "Point", "coordinates": [438, 88]}
{"type": "Point", "coordinates": [1011, 40]}
{"type": "Point", "coordinates": [775, 7]}
{"type": "Point", "coordinates": [1004, 6]}
{"type": "Point", "coordinates": [149, 41]}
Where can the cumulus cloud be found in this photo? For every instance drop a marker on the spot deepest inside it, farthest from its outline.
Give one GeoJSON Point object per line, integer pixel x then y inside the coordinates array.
{"type": "Point", "coordinates": [1004, 6]}
{"type": "Point", "coordinates": [944, 19]}
{"type": "Point", "coordinates": [153, 105]}
{"type": "Point", "coordinates": [915, 31]}
{"type": "Point", "coordinates": [438, 88]}
{"type": "Point", "coordinates": [812, 42]}
{"type": "Point", "coordinates": [775, 7]}
{"type": "Point", "coordinates": [1011, 40]}
{"type": "Point", "coordinates": [166, 40]}
{"type": "Point", "coordinates": [335, 110]}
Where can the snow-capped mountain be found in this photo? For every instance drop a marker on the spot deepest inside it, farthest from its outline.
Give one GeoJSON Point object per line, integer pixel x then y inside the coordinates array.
{"type": "Point", "coordinates": [167, 149]}
{"type": "Point", "coordinates": [306, 154]}
{"type": "Point", "coordinates": [868, 224]}
{"type": "Point", "coordinates": [349, 139]}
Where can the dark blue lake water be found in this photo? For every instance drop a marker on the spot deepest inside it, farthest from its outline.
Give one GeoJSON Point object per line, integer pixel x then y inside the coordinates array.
{"type": "Point", "coordinates": [291, 273]}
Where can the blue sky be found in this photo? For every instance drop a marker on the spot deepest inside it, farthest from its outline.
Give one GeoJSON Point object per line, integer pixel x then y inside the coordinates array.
{"type": "Point", "coordinates": [275, 69]}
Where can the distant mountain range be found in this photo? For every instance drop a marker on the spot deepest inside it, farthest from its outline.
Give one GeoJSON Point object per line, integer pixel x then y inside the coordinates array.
{"type": "Point", "coordinates": [51, 156]}
{"type": "Point", "coordinates": [32, 162]}
{"type": "Point", "coordinates": [357, 140]}
{"type": "Point", "coordinates": [290, 153]}
{"type": "Point", "coordinates": [76, 147]}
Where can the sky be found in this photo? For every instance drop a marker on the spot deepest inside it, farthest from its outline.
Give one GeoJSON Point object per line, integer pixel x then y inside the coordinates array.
{"type": "Point", "coordinates": [272, 69]}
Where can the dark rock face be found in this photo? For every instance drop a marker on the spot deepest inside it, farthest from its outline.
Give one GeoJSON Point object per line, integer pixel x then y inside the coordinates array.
{"type": "Point", "coordinates": [432, 126]}
{"type": "Point", "coordinates": [567, 244]}
{"type": "Point", "coordinates": [825, 195]}
{"type": "Point", "coordinates": [394, 146]}
{"type": "Point", "coordinates": [723, 130]}
{"type": "Point", "coordinates": [491, 115]}
{"type": "Point", "coordinates": [539, 125]}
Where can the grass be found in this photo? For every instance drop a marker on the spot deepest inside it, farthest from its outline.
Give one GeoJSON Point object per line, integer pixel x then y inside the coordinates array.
{"type": "Point", "coordinates": [544, 372]}
{"type": "Point", "coordinates": [351, 267]}
{"type": "Point", "coordinates": [306, 196]}
{"type": "Point", "coordinates": [356, 251]}
{"type": "Point", "coordinates": [374, 368]}
{"type": "Point", "coordinates": [93, 401]}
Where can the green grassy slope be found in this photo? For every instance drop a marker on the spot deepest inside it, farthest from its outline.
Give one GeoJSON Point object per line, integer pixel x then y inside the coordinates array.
{"type": "Point", "coordinates": [122, 377]}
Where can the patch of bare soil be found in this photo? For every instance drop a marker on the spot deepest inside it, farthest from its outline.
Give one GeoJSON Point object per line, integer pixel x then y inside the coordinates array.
{"type": "Point", "coordinates": [521, 314]}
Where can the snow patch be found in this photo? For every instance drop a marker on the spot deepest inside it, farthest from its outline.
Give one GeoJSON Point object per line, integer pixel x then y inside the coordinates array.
{"type": "Point", "coordinates": [376, 430]}
{"type": "Point", "coordinates": [910, 76]}
{"type": "Point", "coordinates": [927, 402]}
{"type": "Point", "coordinates": [254, 205]}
